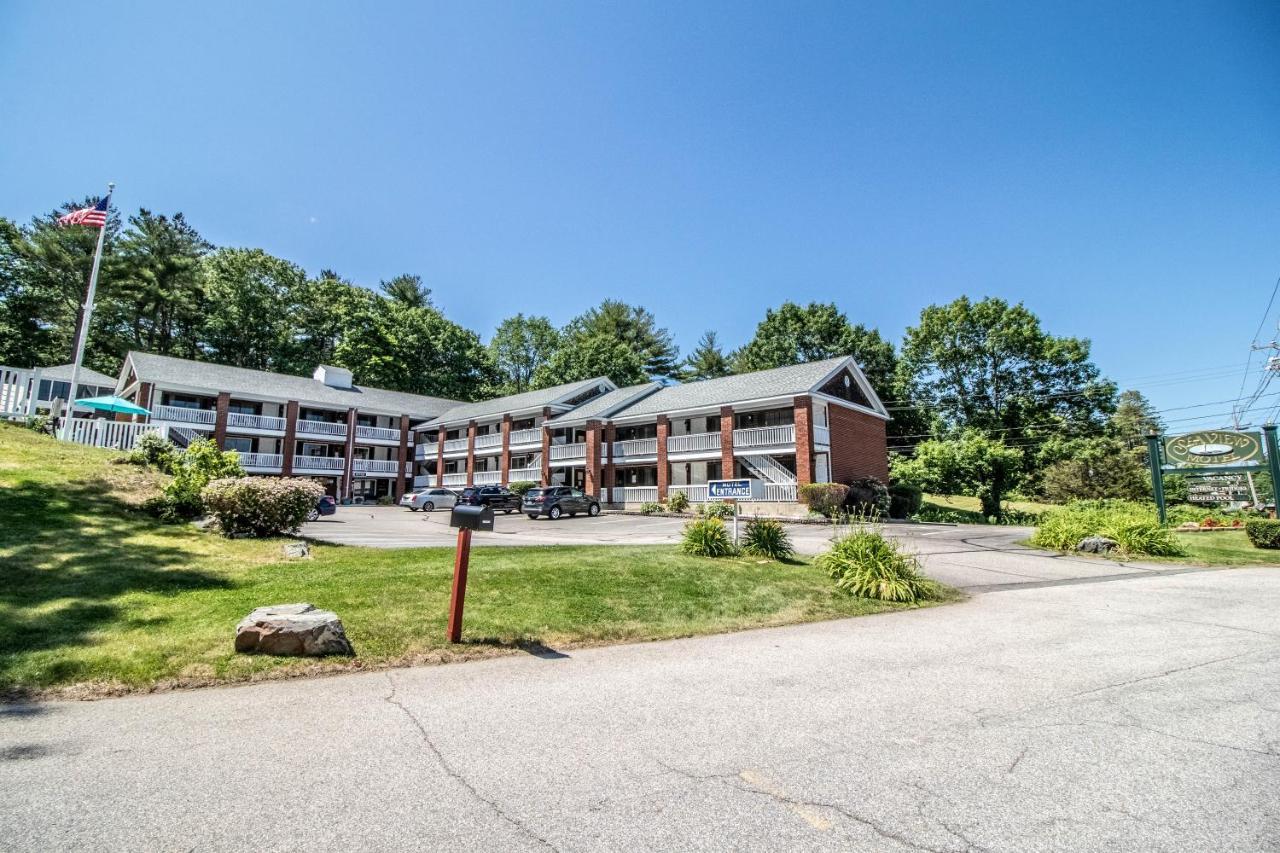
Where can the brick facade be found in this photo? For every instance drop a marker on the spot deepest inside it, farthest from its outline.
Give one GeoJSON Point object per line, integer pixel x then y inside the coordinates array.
{"type": "Point", "coordinates": [592, 478]}
{"type": "Point", "coordinates": [402, 457]}
{"type": "Point", "coordinates": [504, 461]}
{"type": "Point", "coordinates": [664, 470]}
{"type": "Point", "coordinates": [726, 443]}
{"type": "Point", "coordinates": [290, 436]}
{"type": "Point", "coordinates": [859, 447]}
{"type": "Point", "coordinates": [804, 440]}
{"type": "Point", "coordinates": [221, 411]}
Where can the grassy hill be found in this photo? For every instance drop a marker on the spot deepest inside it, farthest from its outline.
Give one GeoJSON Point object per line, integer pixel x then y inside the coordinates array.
{"type": "Point", "coordinates": [99, 598]}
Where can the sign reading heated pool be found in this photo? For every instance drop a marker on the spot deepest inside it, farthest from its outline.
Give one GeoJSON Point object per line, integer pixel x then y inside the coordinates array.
{"type": "Point", "coordinates": [743, 490]}
{"type": "Point", "coordinates": [1218, 489]}
{"type": "Point", "coordinates": [1212, 447]}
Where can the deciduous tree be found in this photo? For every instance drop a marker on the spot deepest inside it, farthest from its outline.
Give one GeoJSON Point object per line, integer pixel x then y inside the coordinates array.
{"type": "Point", "coordinates": [972, 463]}
{"type": "Point", "coordinates": [519, 347]}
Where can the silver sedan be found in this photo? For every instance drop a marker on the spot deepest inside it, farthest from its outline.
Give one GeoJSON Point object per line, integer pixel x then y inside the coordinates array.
{"type": "Point", "coordinates": [429, 499]}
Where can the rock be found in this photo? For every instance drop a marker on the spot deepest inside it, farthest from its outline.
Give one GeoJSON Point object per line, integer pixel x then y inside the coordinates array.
{"type": "Point", "coordinates": [205, 523]}
{"type": "Point", "coordinates": [1096, 545]}
{"type": "Point", "coordinates": [1189, 525]}
{"type": "Point", "coordinates": [297, 549]}
{"type": "Point", "coordinates": [292, 629]}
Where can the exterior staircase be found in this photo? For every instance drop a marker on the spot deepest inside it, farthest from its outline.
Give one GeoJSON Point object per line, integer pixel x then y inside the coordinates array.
{"type": "Point", "coordinates": [767, 469]}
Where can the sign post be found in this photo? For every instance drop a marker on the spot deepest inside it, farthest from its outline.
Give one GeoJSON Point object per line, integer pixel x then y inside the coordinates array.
{"type": "Point", "coordinates": [1157, 475]}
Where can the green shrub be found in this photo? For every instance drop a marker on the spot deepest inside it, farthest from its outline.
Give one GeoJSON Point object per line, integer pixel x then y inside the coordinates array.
{"type": "Point", "coordinates": [197, 466]}
{"type": "Point", "coordinates": [823, 498]}
{"type": "Point", "coordinates": [905, 500]}
{"type": "Point", "coordinates": [706, 537]}
{"type": "Point", "coordinates": [522, 486]}
{"type": "Point", "coordinates": [867, 498]}
{"type": "Point", "coordinates": [866, 564]}
{"type": "Point", "coordinates": [154, 451]}
{"type": "Point", "coordinates": [37, 423]}
{"type": "Point", "coordinates": [1132, 525]}
{"type": "Point", "coordinates": [261, 506]}
{"type": "Point", "coordinates": [678, 502]}
{"type": "Point", "coordinates": [649, 508]}
{"type": "Point", "coordinates": [1263, 532]}
{"type": "Point", "coordinates": [718, 509]}
{"type": "Point", "coordinates": [764, 537]}
{"type": "Point", "coordinates": [385, 500]}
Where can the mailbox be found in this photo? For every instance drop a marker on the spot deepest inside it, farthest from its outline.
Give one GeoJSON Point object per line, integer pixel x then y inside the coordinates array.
{"type": "Point", "coordinates": [466, 517]}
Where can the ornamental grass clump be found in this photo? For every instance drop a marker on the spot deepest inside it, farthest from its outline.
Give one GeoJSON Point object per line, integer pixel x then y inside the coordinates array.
{"type": "Point", "coordinates": [764, 537]}
{"type": "Point", "coordinates": [261, 506]}
{"type": "Point", "coordinates": [866, 564]}
{"type": "Point", "coordinates": [706, 537]}
{"type": "Point", "coordinates": [1132, 525]}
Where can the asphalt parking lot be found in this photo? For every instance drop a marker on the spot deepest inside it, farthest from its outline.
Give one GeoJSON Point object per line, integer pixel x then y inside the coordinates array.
{"type": "Point", "coordinates": [970, 557]}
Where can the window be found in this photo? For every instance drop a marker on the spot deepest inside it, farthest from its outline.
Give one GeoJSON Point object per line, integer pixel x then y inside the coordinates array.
{"type": "Point", "coordinates": [238, 444]}
{"type": "Point", "coordinates": [244, 408]}
{"type": "Point", "coordinates": [769, 417]}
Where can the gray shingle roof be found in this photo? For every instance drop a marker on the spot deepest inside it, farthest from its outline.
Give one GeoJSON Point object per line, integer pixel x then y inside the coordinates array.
{"type": "Point", "coordinates": [219, 377]}
{"type": "Point", "coordinates": [499, 406]}
{"type": "Point", "coordinates": [778, 382]}
{"type": "Point", "coordinates": [87, 377]}
{"type": "Point", "coordinates": [606, 404]}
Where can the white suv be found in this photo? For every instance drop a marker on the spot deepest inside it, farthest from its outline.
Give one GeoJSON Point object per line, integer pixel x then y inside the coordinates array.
{"type": "Point", "coordinates": [429, 499]}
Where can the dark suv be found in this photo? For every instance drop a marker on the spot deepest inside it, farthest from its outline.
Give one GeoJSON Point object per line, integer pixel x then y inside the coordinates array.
{"type": "Point", "coordinates": [555, 501]}
{"type": "Point", "coordinates": [495, 497]}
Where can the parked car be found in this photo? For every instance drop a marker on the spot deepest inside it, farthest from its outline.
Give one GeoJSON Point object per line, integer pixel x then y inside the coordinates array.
{"type": "Point", "coordinates": [429, 499]}
{"type": "Point", "coordinates": [325, 506]}
{"type": "Point", "coordinates": [555, 501]}
{"type": "Point", "coordinates": [495, 497]}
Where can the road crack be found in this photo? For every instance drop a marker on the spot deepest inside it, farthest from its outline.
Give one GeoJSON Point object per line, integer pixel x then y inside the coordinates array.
{"type": "Point", "coordinates": [457, 776]}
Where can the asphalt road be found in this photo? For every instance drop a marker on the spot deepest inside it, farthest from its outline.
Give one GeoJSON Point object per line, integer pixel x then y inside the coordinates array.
{"type": "Point", "coordinates": [967, 556]}
{"type": "Point", "coordinates": [1139, 714]}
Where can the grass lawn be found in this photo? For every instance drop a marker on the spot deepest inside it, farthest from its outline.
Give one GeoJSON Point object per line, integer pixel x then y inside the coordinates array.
{"type": "Point", "coordinates": [97, 598]}
{"type": "Point", "coordinates": [971, 507]}
{"type": "Point", "coordinates": [1226, 548]}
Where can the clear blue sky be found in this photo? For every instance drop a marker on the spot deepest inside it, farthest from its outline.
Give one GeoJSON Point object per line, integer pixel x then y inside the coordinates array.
{"type": "Point", "coordinates": [1115, 165]}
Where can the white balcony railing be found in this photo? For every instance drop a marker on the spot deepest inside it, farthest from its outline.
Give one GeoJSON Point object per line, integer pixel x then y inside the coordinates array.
{"type": "Point", "coordinates": [372, 433]}
{"type": "Point", "coordinates": [695, 494]}
{"type": "Point", "coordinates": [321, 428]}
{"type": "Point", "coordinates": [264, 422]}
{"type": "Point", "coordinates": [526, 436]}
{"type": "Point", "coordinates": [375, 466]}
{"type": "Point", "coordinates": [568, 451]}
{"type": "Point", "coordinates": [487, 478]}
{"type": "Point", "coordinates": [454, 445]}
{"type": "Point", "coordinates": [698, 442]}
{"type": "Point", "coordinates": [119, 435]}
{"type": "Point", "coordinates": [318, 463]}
{"type": "Point", "coordinates": [261, 461]}
{"type": "Point", "coordinates": [455, 479]}
{"type": "Point", "coordinates": [635, 447]}
{"type": "Point", "coordinates": [493, 439]}
{"type": "Point", "coordinates": [780, 492]}
{"type": "Point", "coordinates": [770, 436]}
{"type": "Point", "coordinates": [424, 451]}
{"type": "Point", "coordinates": [182, 414]}
{"type": "Point", "coordinates": [635, 494]}
{"type": "Point", "coordinates": [822, 435]}
{"type": "Point", "coordinates": [528, 475]}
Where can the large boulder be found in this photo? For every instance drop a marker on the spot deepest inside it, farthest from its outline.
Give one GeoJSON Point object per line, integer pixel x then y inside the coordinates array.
{"type": "Point", "coordinates": [1096, 545]}
{"type": "Point", "coordinates": [292, 629]}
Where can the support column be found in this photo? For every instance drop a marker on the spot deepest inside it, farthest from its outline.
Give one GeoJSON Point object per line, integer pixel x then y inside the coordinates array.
{"type": "Point", "coordinates": [290, 437]}
{"type": "Point", "coordinates": [440, 457]}
{"type": "Point", "coordinates": [664, 475]}
{"type": "Point", "coordinates": [346, 487]}
{"type": "Point", "coordinates": [726, 443]}
{"type": "Point", "coordinates": [144, 394]}
{"type": "Point", "coordinates": [1157, 473]}
{"type": "Point", "coordinates": [546, 448]}
{"type": "Point", "coordinates": [403, 457]}
{"type": "Point", "coordinates": [609, 479]}
{"type": "Point", "coordinates": [804, 440]}
{"type": "Point", "coordinates": [504, 461]}
{"type": "Point", "coordinates": [220, 419]}
{"type": "Point", "coordinates": [592, 463]}
{"type": "Point", "coordinates": [471, 453]}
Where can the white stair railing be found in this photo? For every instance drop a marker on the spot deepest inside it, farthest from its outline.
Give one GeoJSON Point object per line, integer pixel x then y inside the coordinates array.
{"type": "Point", "coordinates": [767, 469]}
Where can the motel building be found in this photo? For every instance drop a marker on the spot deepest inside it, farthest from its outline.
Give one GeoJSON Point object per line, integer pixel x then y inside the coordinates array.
{"type": "Point", "coordinates": [785, 427]}
{"type": "Point", "coordinates": [789, 426]}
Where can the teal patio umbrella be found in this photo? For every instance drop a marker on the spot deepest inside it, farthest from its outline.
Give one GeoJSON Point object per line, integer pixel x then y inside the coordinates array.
{"type": "Point", "coordinates": [110, 404]}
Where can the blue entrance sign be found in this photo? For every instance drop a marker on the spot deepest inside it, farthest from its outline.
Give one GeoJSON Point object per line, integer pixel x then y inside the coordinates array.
{"type": "Point", "coordinates": [743, 490]}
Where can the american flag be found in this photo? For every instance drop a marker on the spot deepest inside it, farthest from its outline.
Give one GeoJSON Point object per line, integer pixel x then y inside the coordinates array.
{"type": "Point", "coordinates": [95, 216]}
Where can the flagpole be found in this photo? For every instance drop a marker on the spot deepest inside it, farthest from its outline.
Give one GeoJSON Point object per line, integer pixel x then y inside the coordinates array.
{"type": "Point", "coordinates": [83, 335]}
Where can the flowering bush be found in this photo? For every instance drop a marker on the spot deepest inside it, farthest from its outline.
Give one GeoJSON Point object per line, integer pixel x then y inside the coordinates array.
{"type": "Point", "coordinates": [261, 506]}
